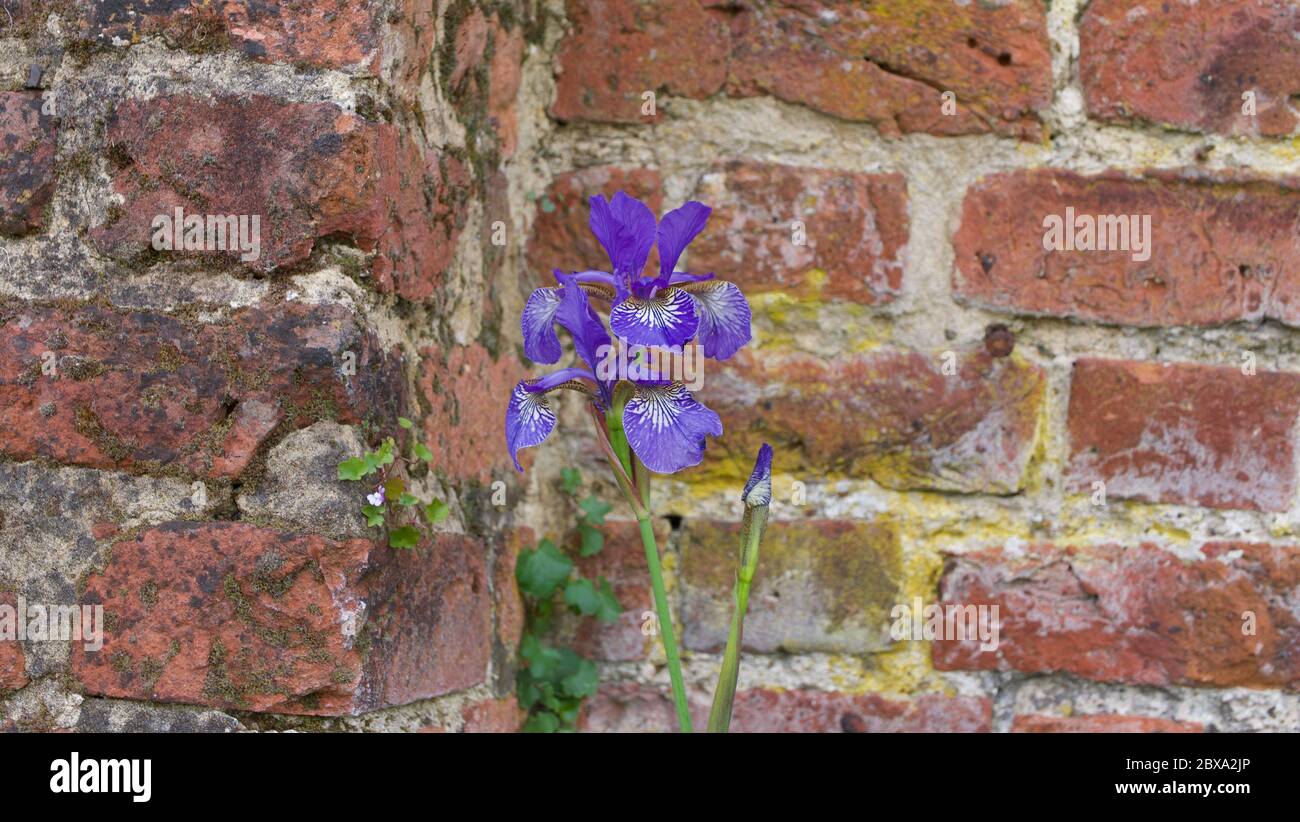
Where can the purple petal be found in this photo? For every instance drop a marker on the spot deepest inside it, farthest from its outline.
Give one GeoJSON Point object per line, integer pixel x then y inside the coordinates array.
{"type": "Point", "coordinates": [676, 230]}
{"type": "Point", "coordinates": [681, 277]}
{"type": "Point", "coordinates": [529, 421]}
{"type": "Point", "coordinates": [666, 427]}
{"type": "Point", "coordinates": [580, 320]}
{"type": "Point", "coordinates": [758, 491]}
{"type": "Point", "coordinates": [541, 343]}
{"type": "Point", "coordinates": [556, 378]}
{"type": "Point", "coordinates": [625, 227]}
{"type": "Point", "coordinates": [668, 319]}
{"type": "Point", "coordinates": [724, 317]}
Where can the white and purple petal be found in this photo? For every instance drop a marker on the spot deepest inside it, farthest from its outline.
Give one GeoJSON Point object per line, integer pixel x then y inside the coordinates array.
{"type": "Point", "coordinates": [667, 319]}
{"type": "Point", "coordinates": [666, 426]}
{"type": "Point", "coordinates": [676, 230]}
{"type": "Point", "coordinates": [541, 343]}
{"type": "Point", "coordinates": [758, 490]}
{"type": "Point", "coordinates": [724, 317]}
{"type": "Point", "coordinates": [577, 317]}
{"type": "Point", "coordinates": [529, 420]}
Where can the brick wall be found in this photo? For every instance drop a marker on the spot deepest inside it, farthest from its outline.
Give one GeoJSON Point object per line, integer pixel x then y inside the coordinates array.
{"type": "Point", "coordinates": [1101, 445]}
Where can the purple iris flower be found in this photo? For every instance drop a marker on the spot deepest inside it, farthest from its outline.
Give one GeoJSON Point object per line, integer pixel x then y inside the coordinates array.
{"type": "Point", "coordinates": [665, 425]}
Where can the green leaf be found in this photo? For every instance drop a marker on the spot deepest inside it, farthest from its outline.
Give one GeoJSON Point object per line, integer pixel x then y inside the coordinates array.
{"type": "Point", "coordinates": [570, 480]}
{"type": "Point", "coordinates": [609, 608]}
{"type": "Point", "coordinates": [405, 537]}
{"type": "Point", "coordinates": [592, 540]}
{"type": "Point", "coordinates": [422, 451]}
{"type": "Point", "coordinates": [354, 469]}
{"type": "Point", "coordinates": [436, 511]}
{"type": "Point", "coordinates": [581, 595]}
{"type": "Point", "coordinates": [542, 723]}
{"type": "Point", "coordinates": [407, 499]}
{"type": "Point", "coordinates": [404, 422]}
{"type": "Point", "coordinates": [374, 514]}
{"type": "Point", "coordinates": [582, 682]}
{"type": "Point", "coordinates": [540, 572]}
{"type": "Point", "coordinates": [595, 510]}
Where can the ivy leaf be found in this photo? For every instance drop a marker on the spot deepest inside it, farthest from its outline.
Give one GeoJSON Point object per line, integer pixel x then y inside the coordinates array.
{"type": "Point", "coordinates": [582, 682]}
{"type": "Point", "coordinates": [570, 480]}
{"type": "Point", "coordinates": [405, 423]}
{"type": "Point", "coordinates": [374, 514]}
{"type": "Point", "coordinates": [407, 499]}
{"type": "Point", "coordinates": [581, 594]}
{"type": "Point", "coordinates": [405, 537]}
{"type": "Point", "coordinates": [609, 608]}
{"type": "Point", "coordinates": [595, 510]}
{"type": "Point", "coordinates": [593, 541]}
{"type": "Point", "coordinates": [436, 511]}
{"type": "Point", "coordinates": [422, 451]}
{"type": "Point", "coordinates": [394, 488]}
{"type": "Point", "coordinates": [354, 469]}
{"type": "Point", "coordinates": [542, 722]}
{"type": "Point", "coordinates": [541, 571]}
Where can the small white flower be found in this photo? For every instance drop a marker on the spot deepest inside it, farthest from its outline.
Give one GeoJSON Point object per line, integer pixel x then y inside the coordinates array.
{"type": "Point", "coordinates": [376, 498]}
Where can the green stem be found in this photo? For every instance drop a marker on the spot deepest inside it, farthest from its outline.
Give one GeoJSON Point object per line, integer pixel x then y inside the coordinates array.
{"type": "Point", "coordinates": [665, 623]}
{"type": "Point", "coordinates": [724, 695]}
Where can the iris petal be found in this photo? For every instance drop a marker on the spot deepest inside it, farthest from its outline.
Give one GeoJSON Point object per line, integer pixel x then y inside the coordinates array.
{"type": "Point", "coordinates": [580, 320]}
{"type": "Point", "coordinates": [758, 490]}
{"type": "Point", "coordinates": [625, 228]}
{"type": "Point", "coordinates": [541, 343]}
{"type": "Point", "coordinates": [666, 427]}
{"type": "Point", "coordinates": [529, 421]}
{"type": "Point", "coordinates": [724, 317]}
{"type": "Point", "coordinates": [667, 320]}
{"type": "Point", "coordinates": [676, 230]}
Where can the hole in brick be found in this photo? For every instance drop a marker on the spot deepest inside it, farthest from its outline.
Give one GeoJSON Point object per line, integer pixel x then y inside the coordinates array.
{"type": "Point", "coordinates": [674, 521]}
{"type": "Point", "coordinates": [970, 42]}
{"type": "Point", "coordinates": [1004, 59]}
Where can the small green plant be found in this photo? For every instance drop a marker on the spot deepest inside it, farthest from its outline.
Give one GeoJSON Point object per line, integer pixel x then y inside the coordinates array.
{"type": "Point", "coordinates": [390, 505]}
{"type": "Point", "coordinates": [553, 680]}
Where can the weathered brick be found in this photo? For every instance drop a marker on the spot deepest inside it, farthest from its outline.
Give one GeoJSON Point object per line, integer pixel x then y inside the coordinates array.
{"type": "Point", "coordinates": [13, 667]}
{"type": "Point", "coordinates": [822, 585]}
{"type": "Point", "coordinates": [561, 237]}
{"type": "Point", "coordinates": [1102, 723]}
{"type": "Point", "coordinates": [1221, 248]}
{"type": "Point", "coordinates": [1191, 434]}
{"type": "Point", "coordinates": [308, 170]}
{"type": "Point", "coordinates": [1137, 615]}
{"type": "Point", "coordinates": [493, 716]}
{"type": "Point", "coordinates": [467, 390]}
{"type": "Point", "coordinates": [886, 65]}
{"type": "Point", "coordinates": [147, 391]}
{"type": "Point", "coordinates": [324, 33]}
{"type": "Point", "coordinates": [27, 144]}
{"type": "Point", "coordinates": [236, 616]}
{"type": "Point", "coordinates": [630, 708]}
{"type": "Point", "coordinates": [619, 49]}
{"type": "Point", "coordinates": [1188, 64]}
{"type": "Point", "coordinates": [892, 415]}
{"type": "Point", "coordinates": [622, 562]}
{"type": "Point", "coordinates": [854, 231]}
{"type": "Point", "coordinates": [508, 604]}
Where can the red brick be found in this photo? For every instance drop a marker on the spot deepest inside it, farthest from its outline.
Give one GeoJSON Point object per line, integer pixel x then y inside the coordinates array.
{"type": "Point", "coordinates": [1102, 724]}
{"type": "Point", "coordinates": [309, 170]}
{"type": "Point", "coordinates": [561, 237]}
{"type": "Point", "coordinates": [1191, 434]}
{"type": "Point", "coordinates": [822, 585]}
{"type": "Point", "coordinates": [886, 65]}
{"type": "Point", "coordinates": [508, 604]}
{"type": "Point", "coordinates": [622, 563]}
{"type": "Point", "coordinates": [889, 63]}
{"type": "Point", "coordinates": [855, 230]}
{"type": "Point", "coordinates": [325, 33]}
{"type": "Point", "coordinates": [493, 716]}
{"type": "Point", "coordinates": [27, 144]}
{"type": "Point", "coordinates": [892, 415]}
{"type": "Point", "coordinates": [466, 391]}
{"type": "Point", "coordinates": [13, 667]}
{"type": "Point", "coordinates": [1222, 249]}
{"type": "Point", "coordinates": [1138, 615]}
{"type": "Point", "coordinates": [1188, 64]}
{"type": "Point", "coordinates": [619, 49]}
{"type": "Point", "coordinates": [145, 391]}
{"type": "Point", "coordinates": [241, 617]}
{"type": "Point", "coordinates": [632, 708]}
{"type": "Point", "coordinates": [504, 80]}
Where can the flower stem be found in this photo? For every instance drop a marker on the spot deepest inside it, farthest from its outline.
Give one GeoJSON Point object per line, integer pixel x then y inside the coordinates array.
{"type": "Point", "coordinates": [665, 622]}
{"type": "Point", "coordinates": [724, 695]}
